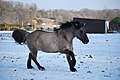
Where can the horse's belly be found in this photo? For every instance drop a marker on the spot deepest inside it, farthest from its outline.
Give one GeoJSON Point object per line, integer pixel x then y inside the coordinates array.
{"type": "Point", "coordinates": [49, 48]}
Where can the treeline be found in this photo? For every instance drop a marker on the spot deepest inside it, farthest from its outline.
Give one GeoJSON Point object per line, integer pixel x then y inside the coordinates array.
{"type": "Point", "coordinates": [19, 13]}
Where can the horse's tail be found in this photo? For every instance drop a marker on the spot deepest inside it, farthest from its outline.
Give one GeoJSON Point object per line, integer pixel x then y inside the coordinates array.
{"type": "Point", "coordinates": [20, 35]}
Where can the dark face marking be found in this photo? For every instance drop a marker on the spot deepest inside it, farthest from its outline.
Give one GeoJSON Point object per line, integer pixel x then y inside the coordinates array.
{"type": "Point", "coordinates": [81, 34]}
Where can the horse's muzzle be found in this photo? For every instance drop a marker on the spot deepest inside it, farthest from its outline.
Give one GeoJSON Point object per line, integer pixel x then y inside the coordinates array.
{"type": "Point", "coordinates": [85, 42]}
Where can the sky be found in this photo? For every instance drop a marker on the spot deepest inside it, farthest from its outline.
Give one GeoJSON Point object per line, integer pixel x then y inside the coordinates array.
{"type": "Point", "coordinates": [73, 4]}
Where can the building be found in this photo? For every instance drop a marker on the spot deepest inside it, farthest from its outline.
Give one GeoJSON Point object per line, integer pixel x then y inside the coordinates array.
{"type": "Point", "coordinates": [45, 23]}
{"type": "Point", "coordinates": [94, 25]}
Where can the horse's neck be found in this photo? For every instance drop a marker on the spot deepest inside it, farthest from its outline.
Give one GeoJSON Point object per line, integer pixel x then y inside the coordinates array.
{"type": "Point", "coordinates": [68, 35]}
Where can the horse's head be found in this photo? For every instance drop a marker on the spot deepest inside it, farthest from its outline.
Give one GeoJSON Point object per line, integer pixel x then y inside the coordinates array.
{"type": "Point", "coordinates": [80, 31]}
{"type": "Point", "coordinates": [77, 28]}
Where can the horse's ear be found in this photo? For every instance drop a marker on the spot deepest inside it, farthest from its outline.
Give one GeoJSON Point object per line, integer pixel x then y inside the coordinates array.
{"type": "Point", "coordinates": [77, 24]}
{"type": "Point", "coordinates": [84, 24]}
{"type": "Point", "coordinates": [68, 21]}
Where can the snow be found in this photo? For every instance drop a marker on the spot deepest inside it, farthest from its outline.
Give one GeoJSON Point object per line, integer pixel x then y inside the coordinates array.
{"type": "Point", "coordinates": [97, 60]}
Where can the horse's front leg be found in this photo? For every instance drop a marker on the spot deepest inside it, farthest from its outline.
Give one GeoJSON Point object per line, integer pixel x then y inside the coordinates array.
{"type": "Point", "coordinates": [71, 60]}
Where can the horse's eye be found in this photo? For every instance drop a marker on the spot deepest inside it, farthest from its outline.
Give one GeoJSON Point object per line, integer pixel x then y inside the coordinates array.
{"type": "Point", "coordinates": [81, 31]}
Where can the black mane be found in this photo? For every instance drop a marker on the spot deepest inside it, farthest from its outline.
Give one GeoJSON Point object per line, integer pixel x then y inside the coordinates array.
{"type": "Point", "coordinates": [66, 25]}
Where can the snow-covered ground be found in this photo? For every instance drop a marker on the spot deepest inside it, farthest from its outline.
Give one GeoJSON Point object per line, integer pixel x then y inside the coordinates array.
{"type": "Point", "coordinates": [97, 60]}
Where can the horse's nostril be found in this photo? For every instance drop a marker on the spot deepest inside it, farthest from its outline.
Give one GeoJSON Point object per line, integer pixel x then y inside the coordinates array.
{"type": "Point", "coordinates": [86, 42]}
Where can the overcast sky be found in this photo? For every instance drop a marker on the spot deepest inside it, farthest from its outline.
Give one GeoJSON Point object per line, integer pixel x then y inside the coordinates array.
{"type": "Point", "coordinates": [74, 4]}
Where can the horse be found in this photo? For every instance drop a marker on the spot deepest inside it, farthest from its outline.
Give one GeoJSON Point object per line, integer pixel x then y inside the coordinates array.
{"type": "Point", "coordinates": [60, 40]}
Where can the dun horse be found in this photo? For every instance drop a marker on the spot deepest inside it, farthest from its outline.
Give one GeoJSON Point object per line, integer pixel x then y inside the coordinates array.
{"type": "Point", "coordinates": [59, 40]}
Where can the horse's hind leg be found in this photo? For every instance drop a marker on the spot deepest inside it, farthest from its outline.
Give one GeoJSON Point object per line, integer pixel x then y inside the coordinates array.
{"type": "Point", "coordinates": [39, 66]}
{"type": "Point", "coordinates": [34, 56]}
{"type": "Point", "coordinates": [29, 66]}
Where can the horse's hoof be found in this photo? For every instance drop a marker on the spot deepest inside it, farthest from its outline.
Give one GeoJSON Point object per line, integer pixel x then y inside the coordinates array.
{"type": "Point", "coordinates": [41, 68]}
{"type": "Point", "coordinates": [29, 67]}
{"type": "Point", "coordinates": [73, 70]}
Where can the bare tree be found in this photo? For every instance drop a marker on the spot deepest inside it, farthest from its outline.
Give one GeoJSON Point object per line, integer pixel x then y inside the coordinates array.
{"type": "Point", "coordinates": [19, 13]}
